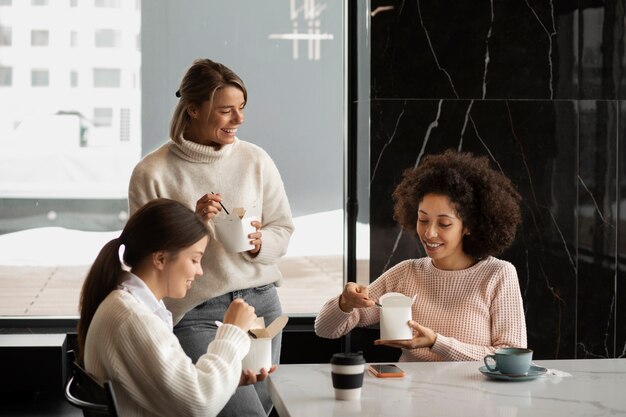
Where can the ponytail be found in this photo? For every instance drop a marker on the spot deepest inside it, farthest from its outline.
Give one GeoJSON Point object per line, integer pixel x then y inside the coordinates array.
{"type": "Point", "coordinates": [104, 276]}
{"type": "Point", "coordinates": [160, 225]}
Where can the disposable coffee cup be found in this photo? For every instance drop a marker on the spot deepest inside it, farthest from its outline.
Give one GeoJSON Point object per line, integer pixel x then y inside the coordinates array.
{"type": "Point", "coordinates": [512, 361]}
{"type": "Point", "coordinates": [347, 371]}
{"type": "Point", "coordinates": [395, 314]}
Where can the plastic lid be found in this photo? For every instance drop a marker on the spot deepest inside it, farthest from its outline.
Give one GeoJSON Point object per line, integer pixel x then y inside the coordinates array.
{"type": "Point", "coordinates": [347, 358]}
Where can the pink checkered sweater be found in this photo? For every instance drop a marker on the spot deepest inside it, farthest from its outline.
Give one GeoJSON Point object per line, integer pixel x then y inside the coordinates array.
{"type": "Point", "coordinates": [473, 311]}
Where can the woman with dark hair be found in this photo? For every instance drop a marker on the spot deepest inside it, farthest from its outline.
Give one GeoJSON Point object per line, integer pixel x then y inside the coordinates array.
{"type": "Point", "coordinates": [125, 331]}
{"type": "Point", "coordinates": [204, 155]}
{"type": "Point", "coordinates": [468, 302]}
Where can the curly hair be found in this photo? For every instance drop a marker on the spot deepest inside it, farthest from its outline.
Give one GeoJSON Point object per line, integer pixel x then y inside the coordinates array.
{"type": "Point", "coordinates": [484, 199]}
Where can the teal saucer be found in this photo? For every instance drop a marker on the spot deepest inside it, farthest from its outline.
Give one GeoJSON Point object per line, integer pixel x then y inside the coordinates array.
{"type": "Point", "coordinates": [533, 372]}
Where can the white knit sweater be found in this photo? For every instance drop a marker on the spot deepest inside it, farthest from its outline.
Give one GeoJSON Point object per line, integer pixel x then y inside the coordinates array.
{"type": "Point", "coordinates": [473, 311]}
{"type": "Point", "coordinates": [151, 374]}
{"type": "Point", "coordinates": [243, 174]}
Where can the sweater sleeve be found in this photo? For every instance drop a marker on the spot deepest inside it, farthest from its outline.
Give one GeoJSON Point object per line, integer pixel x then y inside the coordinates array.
{"type": "Point", "coordinates": [508, 324]}
{"type": "Point", "coordinates": [141, 188]}
{"type": "Point", "coordinates": [154, 370]}
{"type": "Point", "coordinates": [277, 225]}
{"type": "Point", "coordinates": [332, 322]}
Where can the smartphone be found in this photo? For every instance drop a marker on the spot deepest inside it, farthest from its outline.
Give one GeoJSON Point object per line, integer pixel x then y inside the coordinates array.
{"type": "Point", "coordinates": [386, 370]}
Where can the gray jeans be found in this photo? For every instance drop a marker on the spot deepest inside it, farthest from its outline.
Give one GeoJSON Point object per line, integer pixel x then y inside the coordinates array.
{"type": "Point", "coordinates": [197, 329]}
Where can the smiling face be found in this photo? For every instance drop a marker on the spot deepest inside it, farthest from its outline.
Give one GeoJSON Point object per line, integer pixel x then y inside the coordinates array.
{"type": "Point", "coordinates": [181, 269]}
{"type": "Point", "coordinates": [441, 232]}
{"type": "Point", "coordinates": [216, 123]}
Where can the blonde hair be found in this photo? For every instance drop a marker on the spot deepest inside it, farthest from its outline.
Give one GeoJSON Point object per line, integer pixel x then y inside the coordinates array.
{"type": "Point", "coordinates": [199, 84]}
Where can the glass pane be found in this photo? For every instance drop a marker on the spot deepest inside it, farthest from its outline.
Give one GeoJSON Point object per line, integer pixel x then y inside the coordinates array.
{"type": "Point", "coordinates": [67, 150]}
{"type": "Point", "coordinates": [39, 78]}
{"type": "Point", "coordinates": [6, 76]}
{"type": "Point", "coordinates": [108, 38]}
{"type": "Point", "coordinates": [106, 77]}
{"type": "Point", "coordinates": [290, 55]}
{"type": "Point", "coordinates": [6, 36]}
{"type": "Point", "coordinates": [39, 37]}
{"type": "Point", "coordinates": [65, 154]}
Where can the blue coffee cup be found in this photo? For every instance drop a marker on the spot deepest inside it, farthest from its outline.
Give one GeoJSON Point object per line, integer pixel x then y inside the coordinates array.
{"type": "Point", "coordinates": [515, 361]}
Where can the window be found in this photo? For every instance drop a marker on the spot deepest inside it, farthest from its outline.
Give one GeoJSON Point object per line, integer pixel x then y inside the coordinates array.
{"type": "Point", "coordinates": [6, 36]}
{"type": "Point", "coordinates": [39, 37]}
{"type": "Point", "coordinates": [5, 2]}
{"type": "Point", "coordinates": [62, 178]}
{"type": "Point", "coordinates": [87, 132]}
{"type": "Point", "coordinates": [106, 77]}
{"type": "Point", "coordinates": [102, 116]}
{"type": "Point", "coordinates": [108, 3]}
{"type": "Point", "coordinates": [39, 2]}
{"type": "Point", "coordinates": [73, 3]}
{"type": "Point", "coordinates": [6, 76]}
{"type": "Point", "coordinates": [108, 38]}
{"type": "Point", "coordinates": [40, 78]}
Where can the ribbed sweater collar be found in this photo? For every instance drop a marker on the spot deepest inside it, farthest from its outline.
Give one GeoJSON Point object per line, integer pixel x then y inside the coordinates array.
{"type": "Point", "coordinates": [195, 152]}
{"type": "Point", "coordinates": [457, 273]}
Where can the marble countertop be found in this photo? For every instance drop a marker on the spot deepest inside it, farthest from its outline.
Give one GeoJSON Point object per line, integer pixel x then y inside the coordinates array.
{"type": "Point", "coordinates": [596, 387]}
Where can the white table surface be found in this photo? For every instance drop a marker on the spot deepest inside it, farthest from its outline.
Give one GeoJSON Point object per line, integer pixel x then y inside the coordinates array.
{"type": "Point", "coordinates": [597, 387]}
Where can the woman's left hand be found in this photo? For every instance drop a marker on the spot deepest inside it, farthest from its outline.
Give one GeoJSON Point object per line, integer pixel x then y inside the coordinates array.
{"type": "Point", "coordinates": [255, 238]}
{"type": "Point", "coordinates": [248, 376]}
{"type": "Point", "coordinates": [423, 337]}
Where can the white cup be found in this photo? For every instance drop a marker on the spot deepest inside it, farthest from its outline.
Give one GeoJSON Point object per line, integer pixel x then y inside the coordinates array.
{"type": "Point", "coordinates": [259, 356]}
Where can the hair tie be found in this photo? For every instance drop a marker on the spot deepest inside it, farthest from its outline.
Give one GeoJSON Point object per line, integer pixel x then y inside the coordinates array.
{"type": "Point", "coordinates": [178, 93]}
{"type": "Point", "coordinates": [120, 254]}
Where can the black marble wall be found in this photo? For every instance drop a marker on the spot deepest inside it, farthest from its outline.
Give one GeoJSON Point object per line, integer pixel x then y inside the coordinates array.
{"type": "Point", "coordinates": [538, 87]}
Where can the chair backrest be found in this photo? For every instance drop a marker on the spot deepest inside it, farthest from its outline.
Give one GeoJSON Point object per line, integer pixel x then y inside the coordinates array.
{"type": "Point", "coordinates": [86, 393]}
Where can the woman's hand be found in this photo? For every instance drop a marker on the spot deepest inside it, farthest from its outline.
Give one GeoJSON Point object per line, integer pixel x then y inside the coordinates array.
{"type": "Point", "coordinates": [423, 337]}
{"type": "Point", "coordinates": [255, 238]}
{"type": "Point", "coordinates": [240, 314]}
{"type": "Point", "coordinates": [354, 296]}
{"type": "Point", "coordinates": [208, 206]}
{"type": "Point", "coordinates": [248, 377]}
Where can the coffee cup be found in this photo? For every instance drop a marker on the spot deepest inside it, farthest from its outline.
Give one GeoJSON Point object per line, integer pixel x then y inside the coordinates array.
{"type": "Point", "coordinates": [514, 361]}
{"type": "Point", "coordinates": [347, 371]}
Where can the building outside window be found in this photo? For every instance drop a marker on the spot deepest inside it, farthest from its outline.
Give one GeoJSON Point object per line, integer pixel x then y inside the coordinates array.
{"type": "Point", "coordinates": [40, 78]}
{"type": "Point", "coordinates": [6, 76]}
{"type": "Point", "coordinates": [107, 77]}
{"type": "Point", "coordinates": [6, 36]}
{"type": "Point", "coordinates": [39, 37]}
{"type": "Point", "coordinates": [67, 149]}
{"type": "Point", "coordinates": [108, 38]}
{"type": "Point", "coordinates": [103, 116]}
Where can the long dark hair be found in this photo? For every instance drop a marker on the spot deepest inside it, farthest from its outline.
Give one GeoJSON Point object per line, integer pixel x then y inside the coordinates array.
{"type": "Point", "coordinates": [160, 225]}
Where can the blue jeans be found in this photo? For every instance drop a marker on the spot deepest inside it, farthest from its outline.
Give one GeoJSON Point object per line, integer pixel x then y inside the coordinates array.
{"type": "Point", "coordinates": [197, 329]}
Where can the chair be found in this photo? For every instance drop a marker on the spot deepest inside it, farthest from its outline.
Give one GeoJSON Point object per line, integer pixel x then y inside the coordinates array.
{"type": "Point", "coordinates": [86, 393]}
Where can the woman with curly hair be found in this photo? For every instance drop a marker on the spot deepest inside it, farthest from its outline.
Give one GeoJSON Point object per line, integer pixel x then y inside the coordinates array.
{"type": "Point", "coordinates": [468, 302]}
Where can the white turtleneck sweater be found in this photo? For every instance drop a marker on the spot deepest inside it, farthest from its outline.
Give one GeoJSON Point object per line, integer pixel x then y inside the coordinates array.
{"type": "Point", "coordinates": [243, 174]}
{"type": "Point", "coordinates": [474, 311]}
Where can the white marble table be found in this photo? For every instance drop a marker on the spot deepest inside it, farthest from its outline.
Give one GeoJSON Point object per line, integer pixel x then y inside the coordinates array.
{"type": "Point", "coordinates": [596, 387]}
